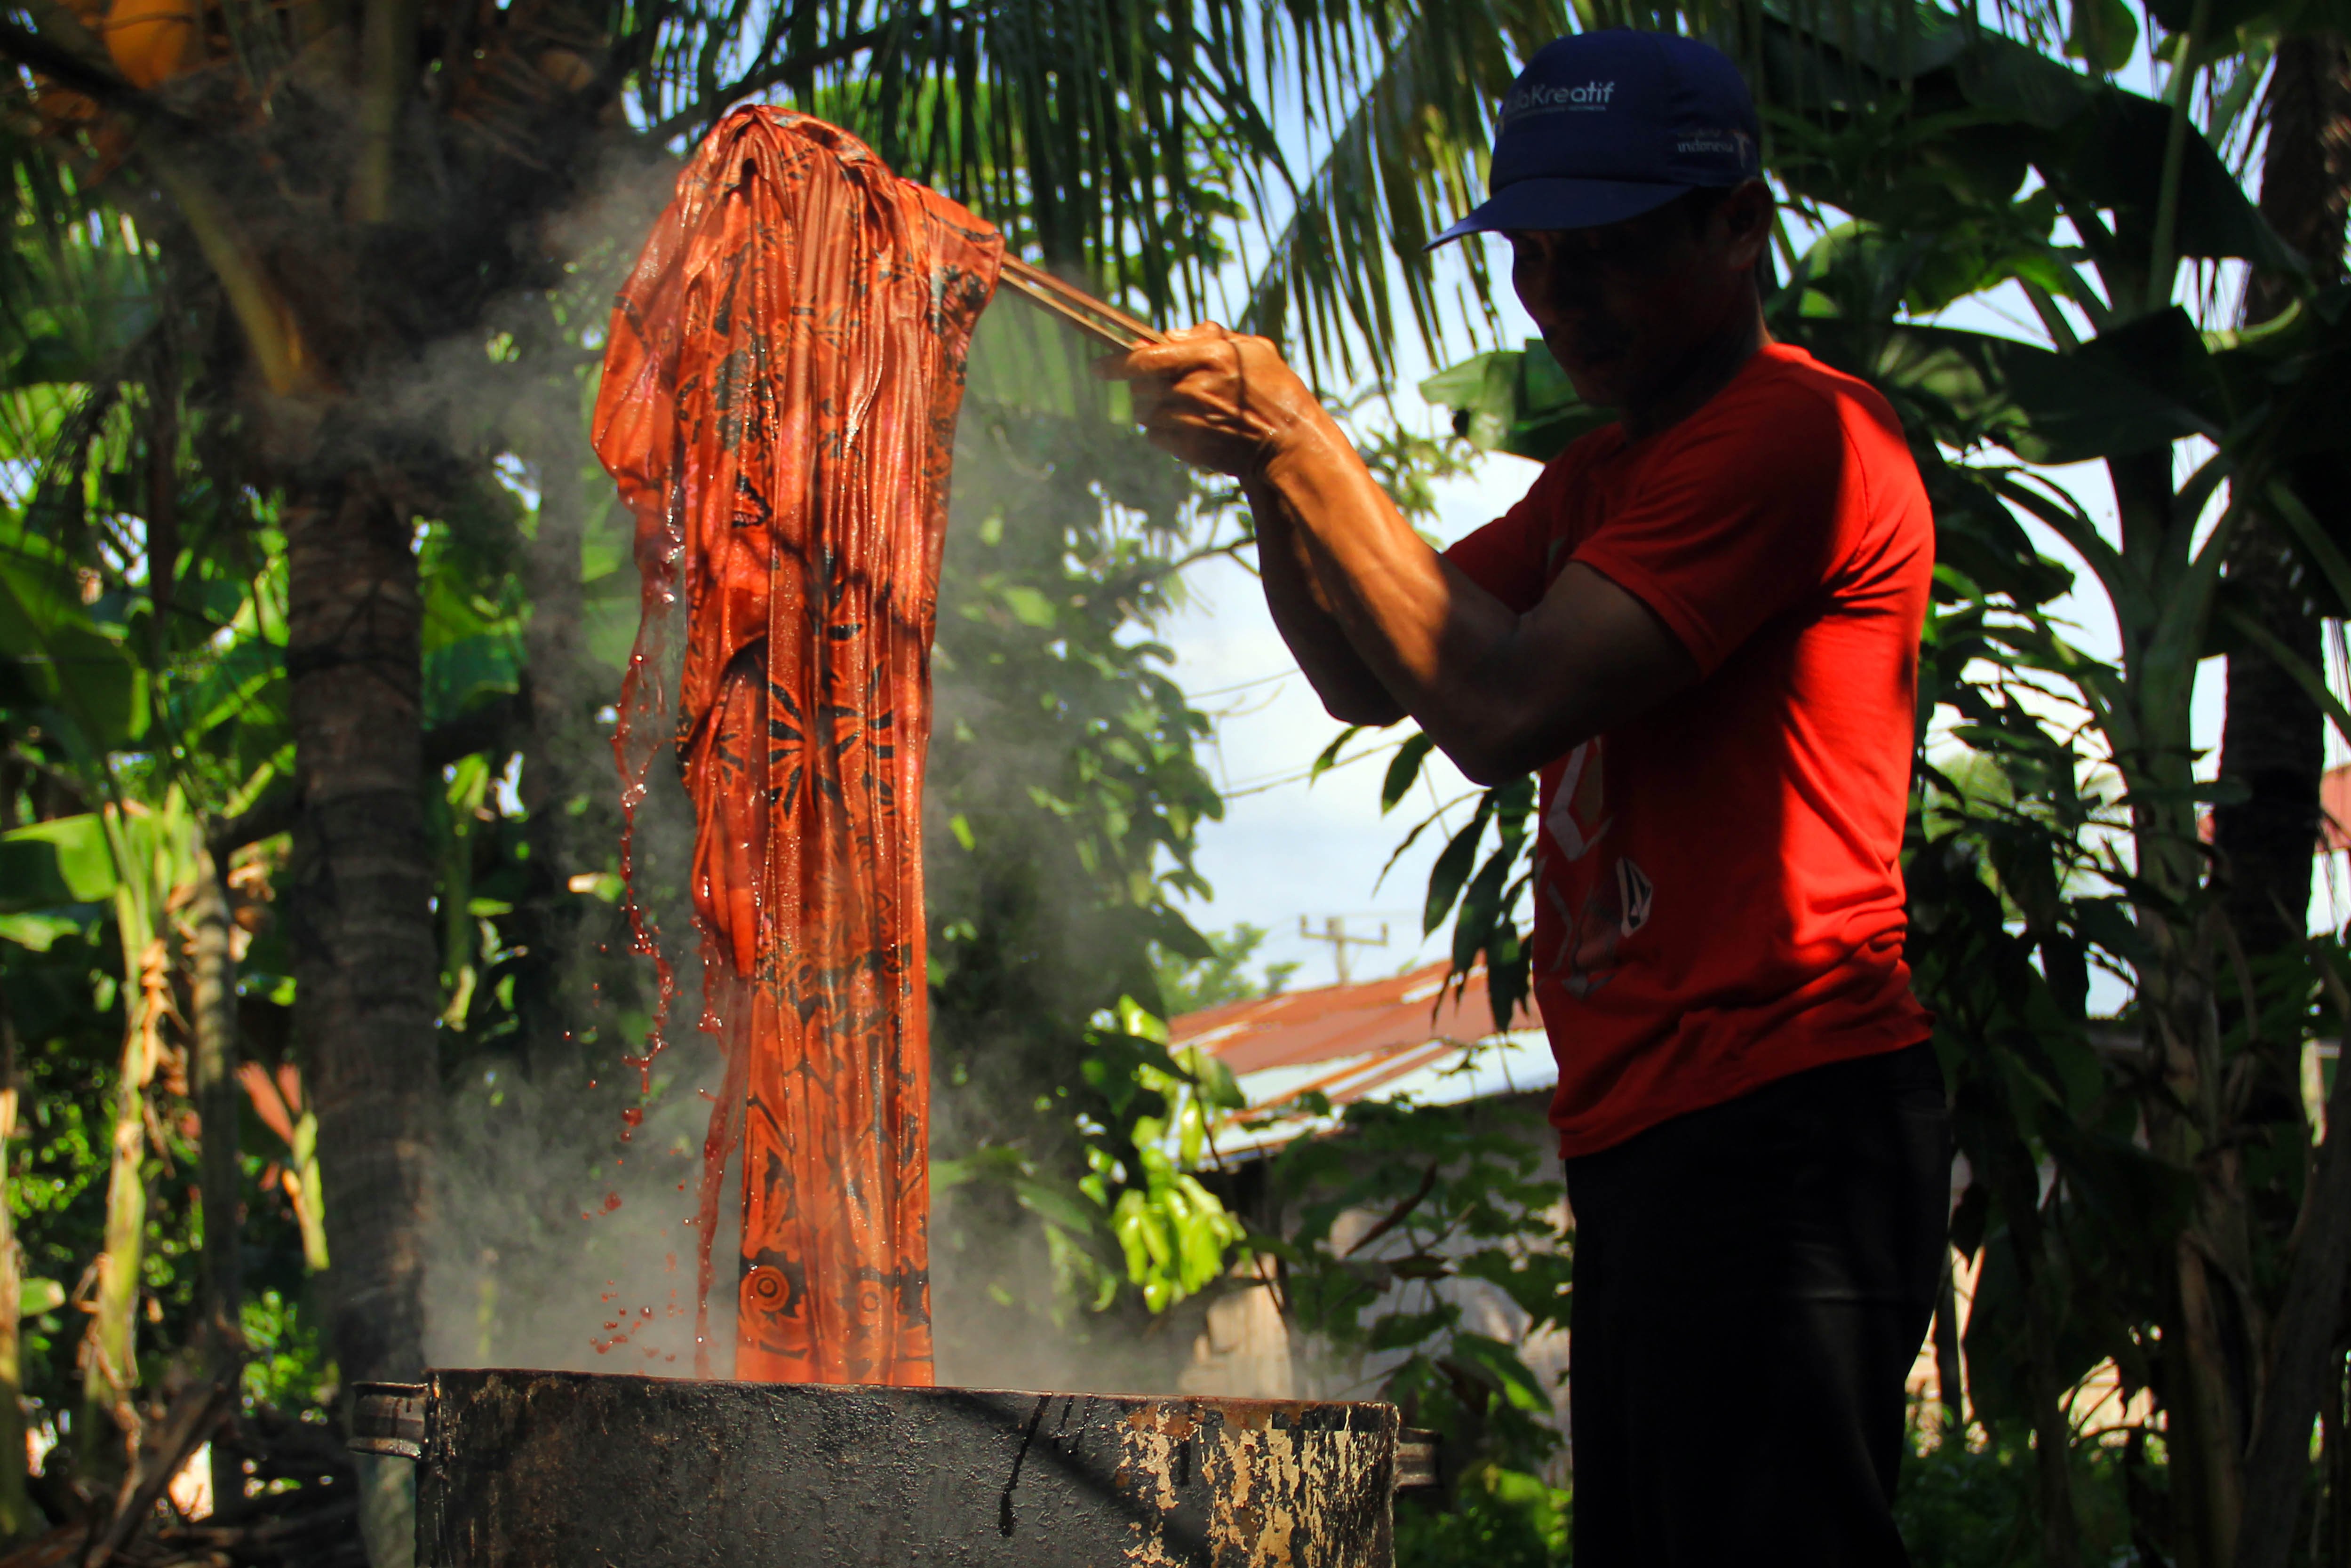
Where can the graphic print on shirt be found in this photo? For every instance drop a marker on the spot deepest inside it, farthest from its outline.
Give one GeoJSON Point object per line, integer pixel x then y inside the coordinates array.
{"type": "Point", "coordinates": [1579, 807]}
{"type": "Point", "coordinates": [1619, 898]}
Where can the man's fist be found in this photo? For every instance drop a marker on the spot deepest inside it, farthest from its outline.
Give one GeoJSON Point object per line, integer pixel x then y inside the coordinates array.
{"type": "Point", "coordinates": [1217, 399]}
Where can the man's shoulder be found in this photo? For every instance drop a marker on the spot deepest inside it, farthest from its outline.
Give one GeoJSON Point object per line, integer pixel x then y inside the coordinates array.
{"type": "Point", "coordinates": [1546, 501]}
{"type": "Point", "coordinates": [1592, 446]}
{"type": "Point", "coordinates": [1789, 393]}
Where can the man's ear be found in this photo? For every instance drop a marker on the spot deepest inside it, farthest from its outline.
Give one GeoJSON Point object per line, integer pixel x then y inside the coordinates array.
{"type": "Point", "coordinates": [1746, 218]}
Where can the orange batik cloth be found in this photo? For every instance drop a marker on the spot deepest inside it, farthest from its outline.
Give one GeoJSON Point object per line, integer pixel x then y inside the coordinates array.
{"type": "Point", "coordinates": [778, 409]}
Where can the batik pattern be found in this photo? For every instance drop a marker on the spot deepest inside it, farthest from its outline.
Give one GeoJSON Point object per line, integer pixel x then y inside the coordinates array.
{"type": "Point", "coordinates": [779, 406]}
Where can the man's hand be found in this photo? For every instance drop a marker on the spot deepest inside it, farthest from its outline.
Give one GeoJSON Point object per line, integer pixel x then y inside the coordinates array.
{"type": "Point", "coordinates": [1217, 399]}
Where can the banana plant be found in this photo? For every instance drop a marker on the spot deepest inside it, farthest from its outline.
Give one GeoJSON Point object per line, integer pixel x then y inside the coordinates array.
{"type": "Point", "coordinates": [140, 860]}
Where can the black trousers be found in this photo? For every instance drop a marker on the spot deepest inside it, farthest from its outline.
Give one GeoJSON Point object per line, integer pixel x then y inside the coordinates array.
{"type": "Point", "coordinates": [1752, 1282]}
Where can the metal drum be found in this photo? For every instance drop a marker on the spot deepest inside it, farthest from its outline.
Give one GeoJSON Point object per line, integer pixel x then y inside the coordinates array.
{"type": "Point", "coordinates": [560, 1469]}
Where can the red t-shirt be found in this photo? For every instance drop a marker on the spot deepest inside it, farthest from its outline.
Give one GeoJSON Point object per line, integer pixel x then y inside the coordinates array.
{"type": "Point", "coordinates": [1718, 882]}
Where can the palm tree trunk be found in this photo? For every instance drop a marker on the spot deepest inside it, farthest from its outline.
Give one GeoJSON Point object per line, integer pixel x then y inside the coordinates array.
{"type": "Point", "coordinates": [366, 982]}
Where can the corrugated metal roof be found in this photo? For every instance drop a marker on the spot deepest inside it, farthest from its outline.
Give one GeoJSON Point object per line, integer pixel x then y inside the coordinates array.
{"type": "Point", "coordinates": [1407, 1036]}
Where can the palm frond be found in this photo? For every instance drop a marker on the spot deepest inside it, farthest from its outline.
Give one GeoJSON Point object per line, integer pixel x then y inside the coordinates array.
{"type": "Point", "coordinates": [1409, 155]}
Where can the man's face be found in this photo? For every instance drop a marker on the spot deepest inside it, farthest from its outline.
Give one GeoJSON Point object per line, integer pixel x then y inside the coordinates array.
{"type": "Point", "coordinates": [1624, 307]}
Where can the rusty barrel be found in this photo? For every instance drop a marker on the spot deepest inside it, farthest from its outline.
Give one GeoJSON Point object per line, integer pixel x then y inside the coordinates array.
{"type": "Point", "coordinates": [563, 1470]}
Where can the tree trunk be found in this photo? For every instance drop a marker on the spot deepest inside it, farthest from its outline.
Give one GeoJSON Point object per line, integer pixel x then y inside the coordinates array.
{"type": "Point", "coordinates": [2017, 1183]}
{"type": "Point", "coordinates": [2204, 1395]}
{"type": "Point", "coordinates": [2273, 748]}
{"type": "Point", "coordinates": [367, 984]}
{"type": "Point", "coordinates": [2306, 167]}
{"type": "Point", "coordinates": [106, 1426]}
{"type": "Point", "coordinates": [2273, 738]}
{"type": "Point", "coordinates": [2305, 1361]}
{"type": "Point", "coordinates": [214, 1075]}
{"type": "Point", "coordinates": [17, 1516]}
{"type": "Point", "coordinates": [2204, 1321]}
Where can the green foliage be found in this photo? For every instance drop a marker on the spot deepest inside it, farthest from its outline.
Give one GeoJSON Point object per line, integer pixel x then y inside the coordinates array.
{"type": "Point", "coordinates": [289, 1367]}
{"type": "Point", "coordinates": [1495, 1518]}
{"type": "Point", "coordinates": [1963, 1505]}
{"type": "Point", "coordinates": [1137, 1216]}
{"type": "Point", "coordinates": [1189, 985]}
{"type": "Point", "coordinates": [1377, 1221]}
{"type": "Point", "coordinates": [1174, 1234]}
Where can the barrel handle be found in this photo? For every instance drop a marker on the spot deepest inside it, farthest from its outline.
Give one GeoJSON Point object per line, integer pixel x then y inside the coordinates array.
{"type": "Point", "coordinates": [1415, 1459]}
{"type": "Point", "coordinates": [388, 1420]}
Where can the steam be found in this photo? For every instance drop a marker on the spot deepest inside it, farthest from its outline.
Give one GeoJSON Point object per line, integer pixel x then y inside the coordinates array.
{"type": "Point", "coordinates": [559, 1247]}
{"type": "Point", "coordinates": [554, 1243]}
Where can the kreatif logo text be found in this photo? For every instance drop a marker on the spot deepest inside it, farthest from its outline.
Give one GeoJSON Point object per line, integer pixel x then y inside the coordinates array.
{"type": "Point", "coordinates": [1541, 98]}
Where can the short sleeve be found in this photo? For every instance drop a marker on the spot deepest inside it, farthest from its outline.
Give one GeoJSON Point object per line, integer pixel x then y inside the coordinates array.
{"type": "Point", "coordinates": [1735, 519]}
{"type": "Point", "coordinates": [1507, 558]}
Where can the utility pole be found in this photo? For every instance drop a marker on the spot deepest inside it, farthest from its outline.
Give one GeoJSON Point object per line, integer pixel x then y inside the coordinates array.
{"type": "Point", "coordinates": [1334, 932]}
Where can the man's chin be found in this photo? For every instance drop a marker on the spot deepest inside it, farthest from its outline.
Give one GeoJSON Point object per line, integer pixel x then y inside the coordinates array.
{"type": "Point", "coordinates": [1596, 387]}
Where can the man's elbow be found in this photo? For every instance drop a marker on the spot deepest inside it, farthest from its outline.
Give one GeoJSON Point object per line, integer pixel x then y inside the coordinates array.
{"type": "Point", "coordinates": [1483, 771]}
{"type": "Point", "coordinates": [1369, 713]}
{"type": "Point", "coordinates": [1369, 709]}
{"type": "Point", "coordinates": [1505, 753]}
{"type": "Point", "coordinates": [1488, 769]}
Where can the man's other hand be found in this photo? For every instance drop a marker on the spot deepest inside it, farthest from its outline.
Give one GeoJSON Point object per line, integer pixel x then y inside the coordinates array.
{"type": "Point", "coordinates": [1216, 399]}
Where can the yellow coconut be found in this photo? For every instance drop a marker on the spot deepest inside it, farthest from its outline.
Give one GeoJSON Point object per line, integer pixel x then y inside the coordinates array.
{"type": "Point", "coordinates": [154, 40]}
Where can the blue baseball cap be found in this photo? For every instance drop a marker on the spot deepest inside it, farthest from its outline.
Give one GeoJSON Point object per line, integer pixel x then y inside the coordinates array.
{"type": "Point", "coordinates": [1601, 127]}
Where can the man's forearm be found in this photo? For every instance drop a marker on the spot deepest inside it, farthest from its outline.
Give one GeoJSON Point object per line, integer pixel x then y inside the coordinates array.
{"type": "Point", "coordinates": [1302, 613]}
{"type": "Point", "coordinates": [1422, 637]}
{"type": "Point", "coordinates": [1500, 693]}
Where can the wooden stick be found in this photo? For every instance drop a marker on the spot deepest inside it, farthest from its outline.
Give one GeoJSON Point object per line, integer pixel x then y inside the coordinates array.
{"type": "Point", "coordinates": [1103, 322]}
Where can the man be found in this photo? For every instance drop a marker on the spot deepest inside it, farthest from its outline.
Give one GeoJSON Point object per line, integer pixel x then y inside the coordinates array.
{"type": "Point", "coordinates": [1701, 625]}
